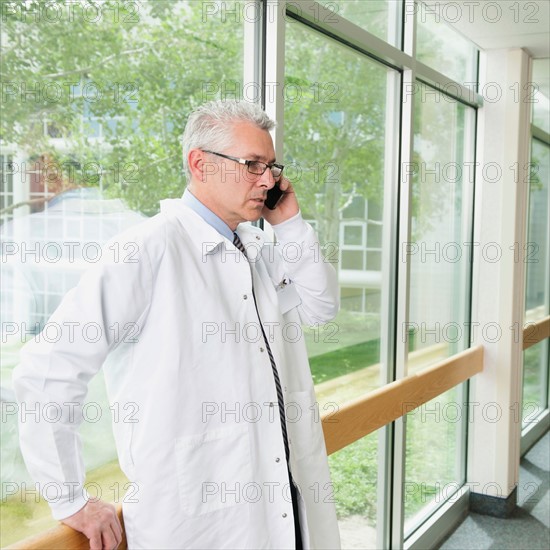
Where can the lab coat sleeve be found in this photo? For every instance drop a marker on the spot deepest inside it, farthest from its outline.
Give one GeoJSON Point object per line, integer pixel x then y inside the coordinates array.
{"type": "Point", "coordinates": [53, 374]}
{"type": "Point", "coordinates": [315, 278]}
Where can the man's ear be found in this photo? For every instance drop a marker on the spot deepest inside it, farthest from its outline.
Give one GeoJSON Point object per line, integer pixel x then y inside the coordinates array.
{"type": "Point", "coordinates": [196, 161]}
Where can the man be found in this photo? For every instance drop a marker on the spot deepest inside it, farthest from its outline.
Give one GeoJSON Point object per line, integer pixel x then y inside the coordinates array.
{"type": "Point", "coordinates": [211, 354]}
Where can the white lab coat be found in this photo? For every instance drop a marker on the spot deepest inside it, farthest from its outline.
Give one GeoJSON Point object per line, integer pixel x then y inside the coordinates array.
{"type": "Point", "coordinates": [198, 433]}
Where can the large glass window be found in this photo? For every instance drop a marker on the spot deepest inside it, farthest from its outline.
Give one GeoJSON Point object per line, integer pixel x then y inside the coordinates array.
{"type": "Point", "coordinates": [96, 96]}
{"type": "Point", "coordinates": [442, 184]}
{"type": "Point", "coordinates": [336, 137]}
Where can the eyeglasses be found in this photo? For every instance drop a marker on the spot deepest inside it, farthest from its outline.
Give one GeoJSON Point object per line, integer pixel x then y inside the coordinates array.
{"type": "Point", "coordinates": [253, 166]}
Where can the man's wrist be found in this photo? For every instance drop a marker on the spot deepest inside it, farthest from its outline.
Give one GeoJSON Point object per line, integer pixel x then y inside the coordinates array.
{"type": "Point", "coordinates": [70, 506]}
{"type": "Point", "coordinates": [292, 229]}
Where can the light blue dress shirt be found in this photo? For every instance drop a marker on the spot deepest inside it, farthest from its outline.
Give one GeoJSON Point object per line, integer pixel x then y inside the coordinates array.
{"type": "Point", "coordinates": [207, 215]}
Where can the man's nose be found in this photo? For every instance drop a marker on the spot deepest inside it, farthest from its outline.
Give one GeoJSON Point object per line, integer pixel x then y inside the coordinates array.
{"type": "Point", "coordinates": [267, 179]}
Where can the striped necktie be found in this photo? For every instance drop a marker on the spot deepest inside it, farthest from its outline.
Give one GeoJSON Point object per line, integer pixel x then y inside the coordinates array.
{"type": "Point", "coordinates": [238, 243]}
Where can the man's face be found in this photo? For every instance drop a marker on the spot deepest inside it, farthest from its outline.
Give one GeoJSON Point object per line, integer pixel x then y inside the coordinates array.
{"type": "Point", "coordinates": [228, 189]}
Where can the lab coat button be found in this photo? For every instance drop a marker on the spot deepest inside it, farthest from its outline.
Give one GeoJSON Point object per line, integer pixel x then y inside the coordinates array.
{"type": "Point", "coordinates": [245, 297]}
{"type": "Point", "coordinates": [262, 350]}
{"type": "Point", "coordinates": [277, 459]}
{"type": "Point", "coordinates": [271, 404]}
{"type": "Point", "coordinates": [284, 515]}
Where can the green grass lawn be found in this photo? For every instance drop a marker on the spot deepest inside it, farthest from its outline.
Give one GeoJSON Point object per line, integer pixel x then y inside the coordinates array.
{"type": "Point", "coordinates": [344, 360]}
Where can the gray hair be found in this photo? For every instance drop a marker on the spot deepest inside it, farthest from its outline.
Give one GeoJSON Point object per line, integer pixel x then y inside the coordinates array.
{"type": "Point", "coordinates": [210, 126]}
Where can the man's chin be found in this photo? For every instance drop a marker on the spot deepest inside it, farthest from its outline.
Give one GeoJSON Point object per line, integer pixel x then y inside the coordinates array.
{"type": "Point", "coordinates": [254, 215]}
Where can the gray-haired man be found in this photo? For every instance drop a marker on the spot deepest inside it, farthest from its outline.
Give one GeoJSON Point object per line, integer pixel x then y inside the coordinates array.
{"type": "Point", "coordinates": [218, 361]}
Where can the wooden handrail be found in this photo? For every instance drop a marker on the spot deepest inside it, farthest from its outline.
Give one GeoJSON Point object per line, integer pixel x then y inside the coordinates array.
{"type": "Point", "coordinates": [536, 331]}
{"type": "Point", "coordinates": [366, 414]}
{"type": "Point", "coordinates": [353, 421]}
{"type": "Point", "coordinates": [63, 537]}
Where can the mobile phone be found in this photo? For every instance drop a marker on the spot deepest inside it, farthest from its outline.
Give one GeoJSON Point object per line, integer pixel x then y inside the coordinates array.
{"type": "Point", "coordinates": [273, 197]}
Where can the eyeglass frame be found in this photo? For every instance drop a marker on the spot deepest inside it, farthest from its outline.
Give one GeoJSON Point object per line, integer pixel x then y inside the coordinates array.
{"type": "Point", "coordinates": [247, 163]}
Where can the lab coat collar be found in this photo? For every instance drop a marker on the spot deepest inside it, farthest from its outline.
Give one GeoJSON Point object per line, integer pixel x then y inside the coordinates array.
{"type": "Point", "coordinates": [205, 237]}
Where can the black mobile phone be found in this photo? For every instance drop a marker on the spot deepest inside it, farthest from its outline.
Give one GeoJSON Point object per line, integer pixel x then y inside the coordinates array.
{"type": "Point", "coordinates": [273, 196]}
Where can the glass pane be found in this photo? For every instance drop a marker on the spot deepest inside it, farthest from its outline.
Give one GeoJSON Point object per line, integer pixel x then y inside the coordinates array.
{"type": "Point", "coordinates": [339, 143]}
{"type": "Point", "coordinates": [379, 17]}
{"type": "Point", "coordinates": [353, 470]}
{"type": "Point", "coordinates": [338, 167]}
{"type": "Point", "coordinates": [535, 358]}
{"type": "Point", "coordinates": [374, 261]}
{"type": "Point", "coordinates": [6, 185]}
{"type": "Point", "coordinates": [541, 93]}
{"type": "Point", "coordinates": [130, 75]}
{"type": "Point", "coordinates": [440, 46]}
{"type": "Point", "coordinates": [439, 280]}
{"type": "Point", "coordinates": [353, 234]}
{"type": "Point", "coordinates": [535, 383]}
{"type": "Point", "coordinates": [435, 438]}
{"type": "Point", "coordinates": [374, 235]}
{"type": "Point", "coordinates": [536, 253]}
{"type": "Point", "coordinates": [352, 259]}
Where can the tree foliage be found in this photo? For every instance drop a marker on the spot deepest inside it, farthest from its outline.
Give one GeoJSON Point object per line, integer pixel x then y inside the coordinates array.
{"type": "Point", "coordinates": [137, 70]}
{"type": "Point", "coordinates": [103, 88]}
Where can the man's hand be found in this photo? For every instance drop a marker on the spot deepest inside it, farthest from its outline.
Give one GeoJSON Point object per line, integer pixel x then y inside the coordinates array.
{"type": "Point", "coordinates": [99, 522]}
{"type": "Point", "coordinates": [286, 207]}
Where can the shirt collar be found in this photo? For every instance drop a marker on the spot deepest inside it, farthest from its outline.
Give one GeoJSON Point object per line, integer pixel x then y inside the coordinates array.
{"type": "Point", "coordinates": [207, 215]}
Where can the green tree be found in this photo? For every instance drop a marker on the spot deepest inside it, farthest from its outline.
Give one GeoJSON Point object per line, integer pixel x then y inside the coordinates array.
{"type": "Point", "coordinates": [137, 68]}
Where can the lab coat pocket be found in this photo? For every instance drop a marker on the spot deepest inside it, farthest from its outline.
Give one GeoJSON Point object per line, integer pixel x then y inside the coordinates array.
{"type": "Point", "coordinates": [212, 469]}
{"type": "Point", "coordinates": [304, 422]}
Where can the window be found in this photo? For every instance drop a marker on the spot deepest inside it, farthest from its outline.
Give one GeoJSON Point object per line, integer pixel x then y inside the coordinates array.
{"type": "Point", "coordinates": [336, 138]}
{"type": "Point", "coordinates": [6, 189]}
{"type": "Point", "coordinates": [96, 119]}
{"type": "Point", "coordinates": [440, 46]}
{"type": "Point", "coordinates": [442, 191]}
{"type": "Point", "coordinates": [535, 358]}
{"type": "Point", "coordinates": [536, 363]}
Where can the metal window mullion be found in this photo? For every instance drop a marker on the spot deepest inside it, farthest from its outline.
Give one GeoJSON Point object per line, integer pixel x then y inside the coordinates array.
{"type": "Point", "coordinates": [540, 134]}
{"type": "Point", "coordinates": [470, 134]}
{"type": "Point", "coordinates": [402, 310]}
{"type": "Point", "coordinates": [273, 75]}
{"type": "Point", "coordinates": [449, 87]}
{"type": "Point", "coordinates": [547, 295]}
{"type": "Point", "coordinates": [275, 71]}
{"type": "Point", "coordinates": [253, 51]}
{"type": "Point", "coordinates": [403, 279]}
{"type": "Point", "coordinates": [388, 335]}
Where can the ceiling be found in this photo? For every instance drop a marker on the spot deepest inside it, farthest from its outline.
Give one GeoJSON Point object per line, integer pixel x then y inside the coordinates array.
{"type": "Point", "coordinates": [499, 24]}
